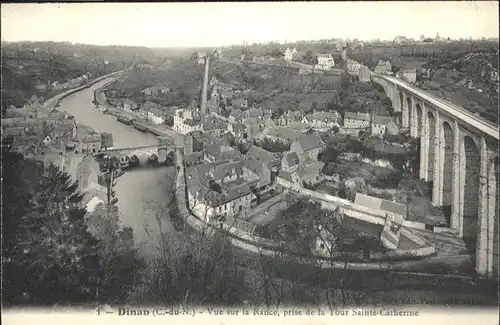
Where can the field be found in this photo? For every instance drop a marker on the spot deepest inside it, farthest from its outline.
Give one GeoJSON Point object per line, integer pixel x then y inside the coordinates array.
{"type": "Point", "coordinates": [277, 89]}
{"type": "Point", "coordinates": [455, 90]}
{"type": "Point", "coordinates": [183, 80]}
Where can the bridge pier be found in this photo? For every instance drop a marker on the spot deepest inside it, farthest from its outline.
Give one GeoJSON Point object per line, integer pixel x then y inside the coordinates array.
{"type": "Point", "coordinates": [405, 112]}
{"type": "Point", "coordinates": [411, 117]}
{"type": "Point", "coordinates": [492, 226]}
{"type": "Point", "coordinates": [437, 188]}
{"type": "Point", "coordinates": [424, 146]}
{"type": "Point", "coordinates": [455, 208]}
{"type": "Point", "coordinates": [482, 236]}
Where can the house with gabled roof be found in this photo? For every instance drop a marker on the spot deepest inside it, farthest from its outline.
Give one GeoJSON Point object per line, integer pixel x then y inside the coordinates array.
{"type": "Point", "coordinates": [154, 112]}
{"type": "Point", "coordinates": [356, 120]}
{"type": "Point", "coordinates": [259, 168]}
{"type": "Point", "coordinates": [220, 189]}
{"type": "Point", "coordinates": [239, 130]}
{"type": "Point", "coordinates": [290, 162]}
{"type": "Point", "coordinates": [307, 147]}
{"type": "Point", "coordinates": [289, 54]}
{"type": "Point", "coordinates": [322, 120]}
{"type": "Point", "coordinates": [382, 125]}
{"type": "Point", "coordinates": [264, 156]}
{"type": "Point", "coordinates": [281, 134]}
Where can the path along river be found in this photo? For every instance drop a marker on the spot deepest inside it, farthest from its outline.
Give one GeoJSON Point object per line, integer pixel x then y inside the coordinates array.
{"type": "Point", "coordinates": [140, 192]}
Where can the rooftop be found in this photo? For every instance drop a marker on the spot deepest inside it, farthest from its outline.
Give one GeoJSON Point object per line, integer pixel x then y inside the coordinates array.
{"type": "Point", "coordinates": [292, 159]}
{"type": "Point", "coordinates": [357, 116]}
{"type": "Point", "coordinates": [380, 204]}
{"type": "Point", "coordinates": [262, 155]}
{"type": "Point", "coordinates": [198, 183]}
{"type": "Point", "coordinates": [284, 133]}
{"type": "Point", "coordinates": [383, 120]}
{"type": "Point", "coordinates": [323, 116]}
{"type": "Point", "coordinates": [310, 142]}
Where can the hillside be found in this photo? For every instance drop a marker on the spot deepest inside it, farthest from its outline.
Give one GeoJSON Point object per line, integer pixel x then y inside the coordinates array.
{"type": "Point", "coordinates": [30, 67]}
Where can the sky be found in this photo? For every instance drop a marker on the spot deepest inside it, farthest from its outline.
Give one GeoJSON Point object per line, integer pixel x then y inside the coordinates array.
{"type": "Point", "coordinates": [222, 24]}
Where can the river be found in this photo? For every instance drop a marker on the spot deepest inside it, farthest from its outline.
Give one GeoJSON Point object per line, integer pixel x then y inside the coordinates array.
{"type": "Point", "coordinates": [142, 194]}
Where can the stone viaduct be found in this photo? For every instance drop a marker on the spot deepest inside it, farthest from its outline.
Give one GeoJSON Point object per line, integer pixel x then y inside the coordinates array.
{"type": "Point", "coordinates": [459, 155]}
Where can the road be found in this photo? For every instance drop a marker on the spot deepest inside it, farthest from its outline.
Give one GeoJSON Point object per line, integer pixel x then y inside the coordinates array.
{"type": "Point", "coordinates": [142, 193]}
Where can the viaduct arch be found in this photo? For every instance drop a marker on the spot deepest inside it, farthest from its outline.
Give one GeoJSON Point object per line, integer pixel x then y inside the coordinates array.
{"type": "Point", "coordinates": [459, 155]}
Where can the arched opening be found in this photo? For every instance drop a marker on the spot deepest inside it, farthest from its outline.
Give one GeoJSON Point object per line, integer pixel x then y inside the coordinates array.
{"type": "Point", "coordinates": [401, 101]}
{"type": "Point", "coordinates": [447, 170]}
{"type": "Point", "coordinates": [419, 120]}
{"type": "Point", "coordinates": [431, 123]}
{"type": "Point", "coordinates": [408, 112]}
{"type": "Point", "coordinates": [472, 165]}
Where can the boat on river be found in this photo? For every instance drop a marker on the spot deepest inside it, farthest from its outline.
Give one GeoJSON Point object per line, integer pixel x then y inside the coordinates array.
{"type": "Point", "coordinates": [139, 126]}
{"type": "Point", "coordinates": [153, 159]}
{"type": "Point", "coordinates": [124, 162]}
{"type": "Point", "coordinates": [133, 161]}
{"type": "Point", "coordinates": [124, 120]}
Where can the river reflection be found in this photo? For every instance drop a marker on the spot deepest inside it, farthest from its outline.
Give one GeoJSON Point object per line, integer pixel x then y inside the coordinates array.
{"type": "Point", "coordinates": [142, 193]}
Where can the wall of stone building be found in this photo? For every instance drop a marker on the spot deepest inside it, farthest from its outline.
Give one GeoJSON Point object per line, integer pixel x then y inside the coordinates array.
{"type": "Point", "coordinates": [87, 171]}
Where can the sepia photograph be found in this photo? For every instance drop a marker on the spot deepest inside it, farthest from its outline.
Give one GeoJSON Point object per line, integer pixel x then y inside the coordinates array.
{"type": "Point", "coordinates": [303, 162]}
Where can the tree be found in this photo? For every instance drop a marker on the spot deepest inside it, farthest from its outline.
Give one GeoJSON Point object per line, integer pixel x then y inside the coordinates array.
{"type": "Point", "coordinates": [309, 58]}
{"type": "Point", "coordinates": [274, 146]}
{"type": "Point", "coordinates": [329, 155]}
{"type": "Point", "coordinates": [276, 53]}
{"type": "Point", "coordinates": [51, 259]}
{"type": "Point", "coordinates": [194, 56]}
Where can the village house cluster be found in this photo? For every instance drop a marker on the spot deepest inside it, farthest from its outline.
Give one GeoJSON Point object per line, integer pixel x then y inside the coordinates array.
{"type": "Point", "coordinates": [83, 79]}
{"type": "Point", "coordinates": [37, 131]}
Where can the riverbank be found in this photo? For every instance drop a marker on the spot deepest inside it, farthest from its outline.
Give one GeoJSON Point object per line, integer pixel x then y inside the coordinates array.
{"type": "Point", "coordinates": [54, 101]}
{"type": "Point", "coordinates": [141, 192]}
{"type": "Point", "coordinates": [156, 129]}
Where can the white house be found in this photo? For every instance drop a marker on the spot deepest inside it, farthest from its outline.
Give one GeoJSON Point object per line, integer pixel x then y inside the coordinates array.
{"type": "Point", "coordinates": [185, 121]}
{"type": "Point", "coordinates": [353, 67]}
{"type": "Point", "coordinates": [288, 55]}
{"type": "Point", "coordinates": [201, 57]}
{"type": "Point", "coordinates": [325, 61]}
{"type": "Point", "coordinates": [322, 120]}
{"type": "Point", "coordinates": [153, 112]}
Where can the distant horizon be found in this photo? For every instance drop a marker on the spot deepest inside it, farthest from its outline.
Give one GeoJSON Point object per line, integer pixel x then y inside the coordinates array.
{"type": "Point", "coordinates": [230, 45]}
{"type": "Point", "coordinates": [197, 25]}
